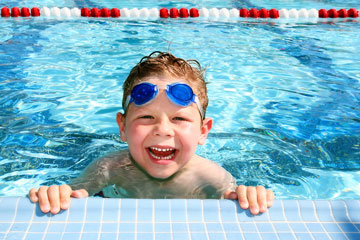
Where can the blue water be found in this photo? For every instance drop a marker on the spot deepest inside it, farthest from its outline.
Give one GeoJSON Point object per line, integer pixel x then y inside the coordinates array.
{"type": "Point", "coordinates": [284, 96]}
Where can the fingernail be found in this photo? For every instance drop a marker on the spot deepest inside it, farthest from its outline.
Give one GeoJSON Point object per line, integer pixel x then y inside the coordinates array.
{"type": "Point", "coordinates": [254, 210]}
{"type": "Point", "coordinates": [64, 205]}
{"type": "Point", "coordinates": [244, 205]}
{"type": "Point", "coordinates": [46, 208]}
{"type": "Point", "coordinates": [262, 208]}
{"type": "Point", "coordinates": [55, 210]}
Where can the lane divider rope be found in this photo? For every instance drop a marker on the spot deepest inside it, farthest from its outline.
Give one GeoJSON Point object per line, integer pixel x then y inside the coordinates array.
{"type": "Point", "coordinates": [178, 13]}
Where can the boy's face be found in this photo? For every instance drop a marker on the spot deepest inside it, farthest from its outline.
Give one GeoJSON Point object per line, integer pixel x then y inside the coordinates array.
{"type": "Point", "coordinates": [162, 136]}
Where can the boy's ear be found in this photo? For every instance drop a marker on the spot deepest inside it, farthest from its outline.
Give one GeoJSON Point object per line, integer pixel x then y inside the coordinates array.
{"type": "Point", "coordinates": [120, 119]}
{"type": "Point", "coordinates": [205, 129]}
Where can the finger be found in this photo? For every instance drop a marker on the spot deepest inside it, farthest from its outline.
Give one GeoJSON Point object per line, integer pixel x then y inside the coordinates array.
{"type": "Point", "coordinates": [43, 199]}
{"type": "Point", "coordinates": [252, 198]}
{"type": "Point", "coordinates": [242, 196]}
{"type": "Point", "coordinates": [81, 193]}
{"type": "Point", "coordinates": [33, 195]}
{"type": "Point", "coordinates": [270, 197]}
{"type": "Point", "coordinates": [65, 192]}
{"type": "Point", "coordinates": [261, 198]}
{"type": "Point", "coordinates": [230, 195]}
{"type": "Point", "coordinates": [54, 198]}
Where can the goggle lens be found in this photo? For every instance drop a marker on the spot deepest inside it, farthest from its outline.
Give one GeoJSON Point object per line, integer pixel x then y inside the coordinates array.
{"type": "Point", "coordinates": [143, 93]}
{"type": "Point", "coordinates": [180, 94]}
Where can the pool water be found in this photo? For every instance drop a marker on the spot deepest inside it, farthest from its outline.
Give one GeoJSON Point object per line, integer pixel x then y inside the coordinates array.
{"type": "Point", "coordinates": [284, 96]}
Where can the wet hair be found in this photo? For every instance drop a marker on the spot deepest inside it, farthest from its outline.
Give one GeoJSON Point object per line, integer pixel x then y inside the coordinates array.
{"type": "Point", "coordinates": [164, 63]}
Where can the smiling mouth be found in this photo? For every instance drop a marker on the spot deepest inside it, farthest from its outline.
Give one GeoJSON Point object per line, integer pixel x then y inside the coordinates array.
{"type": "Point", "coordinates": [162, 153]}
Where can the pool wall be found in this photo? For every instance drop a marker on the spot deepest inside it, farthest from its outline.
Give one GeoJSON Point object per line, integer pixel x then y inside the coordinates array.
{"type": "Point", "coordinates": [144, 219]}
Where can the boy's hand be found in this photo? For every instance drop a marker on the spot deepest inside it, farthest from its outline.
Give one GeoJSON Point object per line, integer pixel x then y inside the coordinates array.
{"type": "Point", "coordinates": [53, 198]}
{"type": "Point", "coordinates": [258, 199]}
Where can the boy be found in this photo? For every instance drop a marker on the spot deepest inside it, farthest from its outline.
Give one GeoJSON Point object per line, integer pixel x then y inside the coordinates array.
{"type": "Point", "coordinates": [164, 102]}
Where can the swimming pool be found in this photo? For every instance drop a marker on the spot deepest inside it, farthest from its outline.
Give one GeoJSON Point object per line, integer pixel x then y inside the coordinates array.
{"type": "Point", "coordinates": [284, 94]}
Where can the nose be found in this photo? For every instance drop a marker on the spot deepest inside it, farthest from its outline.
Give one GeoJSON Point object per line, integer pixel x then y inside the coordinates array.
{"type": "Point", "coordinates": [163, 127]}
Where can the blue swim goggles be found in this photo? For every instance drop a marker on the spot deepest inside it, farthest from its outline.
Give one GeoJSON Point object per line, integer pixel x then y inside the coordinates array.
{"type": "Point", "coordinates": [179, 93]}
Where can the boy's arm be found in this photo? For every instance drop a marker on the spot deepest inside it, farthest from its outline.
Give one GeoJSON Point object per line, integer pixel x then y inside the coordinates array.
{"type": "Point", "coordinates": [92, 180]}
{"type": "Point", "coordinates": [95, 177]}
{"type": "Point", "coordinates": [257, 199]}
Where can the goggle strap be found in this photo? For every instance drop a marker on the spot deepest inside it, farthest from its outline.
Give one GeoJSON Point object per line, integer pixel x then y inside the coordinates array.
{"type": "Point", "coordinates": [197, 101]}
{"type": "Point", "coordinates": [127, 102]}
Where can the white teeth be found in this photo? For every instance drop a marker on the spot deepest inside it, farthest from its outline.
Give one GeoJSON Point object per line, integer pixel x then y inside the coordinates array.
{"type": "Point", "coordinates": [163, 158]}
{"type": "Point", "coordinates": [162, 149]}
{"type": "Point", "coordinates": [165, 150]}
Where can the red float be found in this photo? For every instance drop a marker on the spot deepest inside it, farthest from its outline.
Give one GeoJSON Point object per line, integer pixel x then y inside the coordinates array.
{"type": "Point", "coordinates": [115, 13]}
{"type": "Point", "coordinates": [25, 12]}
{"type": "Point", "coordinates": [85, 12]}
{"type": "Point", "coordinates": [15, 12]}
{"type": "Point", "coordinates": [353, 13]}
{"type": "Point", "coordinates": [194, 12]}
{"type": "Point", "coordinates": [254, 13]}
{"type": "Point", "coordinates": [274, 13]}
{"type": "Point", "coordinates": [184, 13]}
{"type": "Point", "coordinates": [35, 12]}
{"type": "Point", "coordinates": [95, 12]}
{"type": "Point", "coordinates": [174, 13]}
{"type": "Point", "coordinates": [323, 13]}
{"type": "Point", "coordinates": [343, 13]}
{"type": "Point", "coordinates": [333, 13]}
{"type": "Point", "coordinates": [5, 12]}
{"type": "Point", "coordinates": [264, 13]}
{"type": "Point", "coordinates": [164, 13]}
{"type": "Point", "coordinates": [104, 12]}
{"type": "Point", "coordinates": [244, 13]}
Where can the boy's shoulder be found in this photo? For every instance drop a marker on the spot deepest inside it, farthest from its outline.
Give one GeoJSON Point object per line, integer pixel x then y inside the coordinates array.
{"type": "Point", "coordinates": [115, 160]}
{"type": "Point", "coordinates": [199, 164]}
{"type": "Point", "coordinates": [209, 171]}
